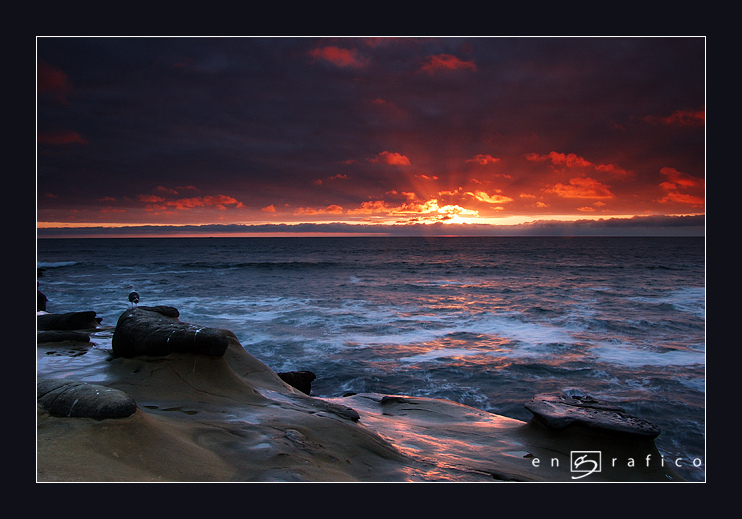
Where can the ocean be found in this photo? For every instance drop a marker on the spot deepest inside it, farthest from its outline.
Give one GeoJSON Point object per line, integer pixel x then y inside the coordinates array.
{"type": "Point", "coordinates": [484, 321]}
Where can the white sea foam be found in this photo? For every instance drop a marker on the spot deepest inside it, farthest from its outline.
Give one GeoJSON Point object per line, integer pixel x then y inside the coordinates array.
{"type": "Point", "coordinates": [631, 356]}
{"type": "Point", "coordinates": [55, 264]}
{"type": "Point", "coordinates": [685, 299]}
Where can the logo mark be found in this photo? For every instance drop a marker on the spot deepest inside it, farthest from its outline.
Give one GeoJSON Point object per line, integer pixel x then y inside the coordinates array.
{"type": "Point", "coordinates": [584, 463]}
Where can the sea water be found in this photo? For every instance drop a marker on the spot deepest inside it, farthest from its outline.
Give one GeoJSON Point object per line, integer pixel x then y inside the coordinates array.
{"type": "Point", "coordinates": [486, 322]}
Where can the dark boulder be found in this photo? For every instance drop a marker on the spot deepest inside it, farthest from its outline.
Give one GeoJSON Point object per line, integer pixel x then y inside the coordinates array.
{"type": "Point", "coordinates": [301, 380]}
{"type": "Point", "coordinates": [81, 400]}
{"type": "Point", "coordinates": [167, 311]}
{"type": "Point", "coordinates": [557, 411]}
{"type": "Point", "coordinates": [68, 321]}
{"type": "Point", "coordinates": [156, 331]}
{"type": "Point", "coordinates": [41, 301]}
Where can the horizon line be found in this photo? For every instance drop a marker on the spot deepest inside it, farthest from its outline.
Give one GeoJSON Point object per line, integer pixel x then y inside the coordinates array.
{"type": "Point", "coordinates": [681, 225]}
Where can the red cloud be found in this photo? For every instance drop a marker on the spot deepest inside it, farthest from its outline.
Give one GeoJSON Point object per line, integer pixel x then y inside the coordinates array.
{"type": "Point", "coordinates": [52, 80]}
{"type": "Point", "coordinates": [581, 187]}
{"type": "Point", "coordinates": [677, 178]}
{"type": "Point", "coordinates": [680, 118]}
{"type": "Point", "coordinates": [570, 160]}
{"type": "Point", "coordinates": [611, 168]}
{"type": "Point", "coordinates": [330, 209]}
{"type": "Point", "coordinates": [446, 62]}
{"type": "Point", "coordinates": [150, 199]}
{"type": "Point", "coordinates": [337, 56]}
{"type": "Point", "coordinates": [388, 157]}
{"type": "Point", "coordinates": [63, 137]}
{"type": "Point", "coordinates": [483, 159]}
{"type": "Point", "coordinates": [683, 198]}
{"type": "Point", "coordinates": [218, 201]}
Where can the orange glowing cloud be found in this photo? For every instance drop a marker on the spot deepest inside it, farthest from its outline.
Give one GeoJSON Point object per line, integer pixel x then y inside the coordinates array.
{"type": "Point", "coordinates": [484, 159]}
{"type": "Point", "coordinates": [490, 199]}
{"type": "Point", "coordinates": [160, 203]}
{"type": "Point", "coordinates": [218, 201]}
{"type": "Point", "coordinates": [415, 210]}
{"type": "Point", "coordinates": [338, 56]}
{"type": "Point", "coordinates": [151, 199]}
{"type": "Point", "coordinates": [571, 160]}
{"type": "Point", "coordinates": [371, 207]}
{"type": "Point", "coordinates": [581, 187]}
{"type": "Point", "coordinates": [682, 198]}
{"type": "Point", "coordinates": [677, 178]}
{"type": "Point", "coordinates": [612, 168]}
{"type": "Point", "coordinates": [269, 209]}
{"type": "Point", "coordinates": [446, 62]}
{"type": "Point", "coordinates": [330, 209]}
{"type": "Point", "coordinates": [396, 159]}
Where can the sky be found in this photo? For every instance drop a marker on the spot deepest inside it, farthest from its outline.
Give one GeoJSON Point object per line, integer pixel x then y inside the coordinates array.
{"type": "Point", "coordinates": [387, 135]}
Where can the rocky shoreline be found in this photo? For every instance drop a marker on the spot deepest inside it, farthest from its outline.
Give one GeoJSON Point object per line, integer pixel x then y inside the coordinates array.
{"type": "Point", "coordinates": [182, 402]}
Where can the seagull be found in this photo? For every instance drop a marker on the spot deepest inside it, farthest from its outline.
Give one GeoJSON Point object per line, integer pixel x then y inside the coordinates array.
{"type": "Point", "coordinates": [133, 299]}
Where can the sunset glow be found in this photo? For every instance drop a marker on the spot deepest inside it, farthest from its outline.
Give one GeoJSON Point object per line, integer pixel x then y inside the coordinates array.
{"type": "Point", "coordinates": [261, 135]}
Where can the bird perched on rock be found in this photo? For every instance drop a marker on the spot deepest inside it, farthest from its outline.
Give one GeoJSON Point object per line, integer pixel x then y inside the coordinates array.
{"type": "Point", "coordinates": [133, 299]}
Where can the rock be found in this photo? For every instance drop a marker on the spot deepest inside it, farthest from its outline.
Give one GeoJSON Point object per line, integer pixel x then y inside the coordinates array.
{"type": "Point", "coordinates": [82, 400]}
{"type": "Point", "coordinates": [68, 321]}
{"type": "Point", "coordinates": [60, 336]}
{"type": "Point", "coordinates": [41, 301]}
{"type": "Point", "coordinates": [301, 380]}
{"type": "Point", "coordinates": [156, 331]}
{"type": "Point", "coordinates": [167, 311]}
{"type": "Point", "coordinates": [556, 411]}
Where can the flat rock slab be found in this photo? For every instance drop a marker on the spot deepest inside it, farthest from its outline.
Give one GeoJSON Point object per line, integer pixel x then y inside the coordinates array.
{"type": "Point", "coordinates": [82, 400]}
{"type": "Point", "coordinates": [557, 411]}
{"type": "Point", "coordinates": [68, 321]}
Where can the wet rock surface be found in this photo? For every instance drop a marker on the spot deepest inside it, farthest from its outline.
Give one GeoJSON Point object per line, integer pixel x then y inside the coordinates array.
{"type": "Point", "coordinates": [557, 411]}
{"type": "Point", "coordinates": [68, 321]}
{"type": "Point", "coordinates": [81, 400]}
{"type": "Point", "coordinates": [61, 336]}
{"type": "Point", "coordinates": [157, 331]}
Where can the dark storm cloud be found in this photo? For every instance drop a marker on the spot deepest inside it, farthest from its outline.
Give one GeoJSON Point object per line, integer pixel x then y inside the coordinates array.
{"type": "Point", "coordinates": [192, 111]}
